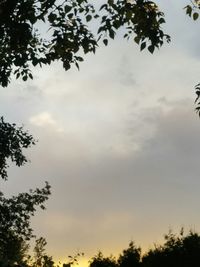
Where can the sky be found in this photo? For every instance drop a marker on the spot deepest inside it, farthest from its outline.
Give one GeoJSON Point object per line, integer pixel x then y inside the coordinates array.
{"type": "Point", "coordinates": [118, 141]}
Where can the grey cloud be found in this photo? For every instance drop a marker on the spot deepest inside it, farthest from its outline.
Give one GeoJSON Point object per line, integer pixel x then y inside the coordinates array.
{"type": "Point", "coordinates": [91, 194]}
{"type": "Point", "coordinates": [101, 197]}
{"type": "Point", "coordinates": [125, 72]}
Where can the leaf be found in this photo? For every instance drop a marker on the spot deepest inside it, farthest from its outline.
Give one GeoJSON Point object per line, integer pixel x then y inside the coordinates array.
{"type": "Point", "coordinates": [161, 20]}
{"type": "Point", "coordinates": [79, 59]}
{"type": "Point", "coordinates": [103, 7]}
{"type": "Point", "coordinates": [88, 18]}
{"type": "Point", "coordinates": [188, 10]}
{"type": "Point", "coordinates": [105, 41]}
{"type": "Point", "coordinates": [111, 34]}
{"type": "Point", "coordinates": [25, 78]}
{"type": "Point", "coordinates": [137, 39]}
{"type": "Point", "coordinates": [66, 65]}
{"type": "Point", "coordinates": [143, 45]}
{"type": "Point", "coordinates": [77, 65]}
{"type": "Point", "coordinates": [67, 8]}
{"type": "Point", "coordinates": [116, 24]}
{"type": "Point", "coordinates": [195, 16]}
{"type": "Point", "coordinates": [151, 49]}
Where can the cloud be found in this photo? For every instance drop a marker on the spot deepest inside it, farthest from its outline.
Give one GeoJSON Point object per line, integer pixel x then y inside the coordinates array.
{"type": "Point", "coordinates": [45, 119]}
{"type": "Point", "coordinates": [117, 144]}
{"type": "Point", "coordinates": [101, 201]}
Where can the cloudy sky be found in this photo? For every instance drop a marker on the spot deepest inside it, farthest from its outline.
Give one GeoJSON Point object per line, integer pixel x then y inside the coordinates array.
{"type": "Point", "coordinates": [118, 141]}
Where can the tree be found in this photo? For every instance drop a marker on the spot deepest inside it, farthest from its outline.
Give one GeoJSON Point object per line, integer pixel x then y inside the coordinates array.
{"type": "Point", "coordinates": [15, 229]}
{"type": "Point", "coordinates": [13, 249]}
{"type": "Point", "coordinates": [73, 260]}
{"type": "Point", "coordinates": [12, 141]}
{"type": "Point", "coordinates": [23, 44]}
{"type": "Point", "coordinates": [100, 261]}
{"type": "Point", "coordinates": [177, 251]}
{"type": "Point", "coordinates": [41, 258]}
{"type": "Point", "coordinates": [130, 257]}
{"type": "Point", "coordinates": [16, 211]}
{"type": "Point", "coordinates": [68, 34]}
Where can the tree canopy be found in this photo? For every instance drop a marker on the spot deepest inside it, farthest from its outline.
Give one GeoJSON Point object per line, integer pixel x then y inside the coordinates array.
{"type": "Point", "coordinates": [15, 229]}
{"type": "Point", "coordinates": [13, 140]}
{"type": "Point", "coordinates": [68, 36]}
{"type": "Point", "coordinates": [178, 250]}
{"type": "Point", "coordinates": [39, 32]}
{"type": "Point", "coordinates": [16, 211]}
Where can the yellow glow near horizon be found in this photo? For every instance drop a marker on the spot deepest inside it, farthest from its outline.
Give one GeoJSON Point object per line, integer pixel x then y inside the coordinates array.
{"type": "Point", "coordinates": [81, 263]}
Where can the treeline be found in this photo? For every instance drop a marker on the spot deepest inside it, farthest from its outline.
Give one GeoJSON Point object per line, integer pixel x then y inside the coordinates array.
{"type": "Point", "coordinates": [178, 250]}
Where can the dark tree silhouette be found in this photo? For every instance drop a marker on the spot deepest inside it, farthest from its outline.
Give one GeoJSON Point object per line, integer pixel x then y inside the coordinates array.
{"type": "Point", "coordinates": [68, 31]}
{"type": "Point", "coordinates": [41, 259]}
{"type": "Point", "coordinates": [12, 141]}
{"type": "Point", "coordinates": [130, 257]}
{"type": "Point", "coordinates": [177, 251]}
{"type": "Point", "coordinates": [15, 229]}
{"type": "Point", "coordinates": [13, 249]}
{"type": "Point", "coordinates": [16, 211]}
{"type": "Point", "coordinates": [100, 261]}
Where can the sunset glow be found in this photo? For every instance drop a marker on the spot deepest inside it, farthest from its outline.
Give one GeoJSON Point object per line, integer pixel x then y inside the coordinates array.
{"type": "Point", "coordinates": [118, 141]}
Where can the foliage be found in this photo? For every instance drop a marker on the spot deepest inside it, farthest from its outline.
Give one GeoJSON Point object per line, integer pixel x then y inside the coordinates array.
{"type": "Point", "coordinates": [12, 140]}
{"type": "Point", "coordinates": [130, 257]}
{"type": "Point", "coordinates": [178, 250]}
{"type": "Point", "coordinates": [68, 35]}
{"type": "Point", "coordinates": [100, 261]}
{"type": "Point", "coordinates": [13, 249]}
{"type": "Point", "coordinates": [192, 10]}
{"type": "Point", "coordinates": [197, 102]}
{"type": "Point", "coordinates": [73, 260]}
{"type": "Point", "coordinates": [23, 44]}
{"type": "Point", "coordinates": [40, 256]}
{"type": "Point", "coordinates": [15, 229]}
{"type": "Point", "coordinates": [16, 211]}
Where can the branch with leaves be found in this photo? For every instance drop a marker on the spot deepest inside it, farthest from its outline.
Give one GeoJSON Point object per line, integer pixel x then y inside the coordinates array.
{"type": "Point", "coordinates": [68, 34]}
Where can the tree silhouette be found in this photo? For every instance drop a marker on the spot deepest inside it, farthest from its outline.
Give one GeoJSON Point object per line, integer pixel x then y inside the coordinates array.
{"type": "Point", "coordinates": [130, 257]}
{"type": "Point", "coordinates": [16, 211]}
{"type": "Point", "coordinates": [15, 229]}
{"type": "Point", "coordinates": [13, 249]}
{"type": "Point", "coordinates": [12, 141]}
{"type": "Point", "coordinates": [100, 261]}
{"type": "Point", "coordinates": [41, 259]}
{"type": "Point", "coordinates": [177, 251]}
{"type": "Point", "coordinates": [23, 44]}
{"type": "Point", "coordinates": [68, 32]}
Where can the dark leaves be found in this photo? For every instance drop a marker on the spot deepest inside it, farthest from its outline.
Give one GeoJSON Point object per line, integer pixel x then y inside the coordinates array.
{"type": "Point", "coordinates": [12, 141]}
{"type": "Point", "coordinates": [192, 11]}
{"type": "Point", "coordinates": [141, 19]}
{"type": "Point", "coordinates": [195, 16]}
{"type": "Point", "coordinates": [105, 41]}
{"type": "Point", "coordinates": [22, 44]}
{"type": "Point", "coordinates": [15, 212]}
{"type": "Point", "coordinates": [197, 102]}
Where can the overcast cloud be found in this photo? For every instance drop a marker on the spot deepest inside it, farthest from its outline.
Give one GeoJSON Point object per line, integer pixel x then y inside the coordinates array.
{"type": "Point", "coordinates": [118, 141]}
